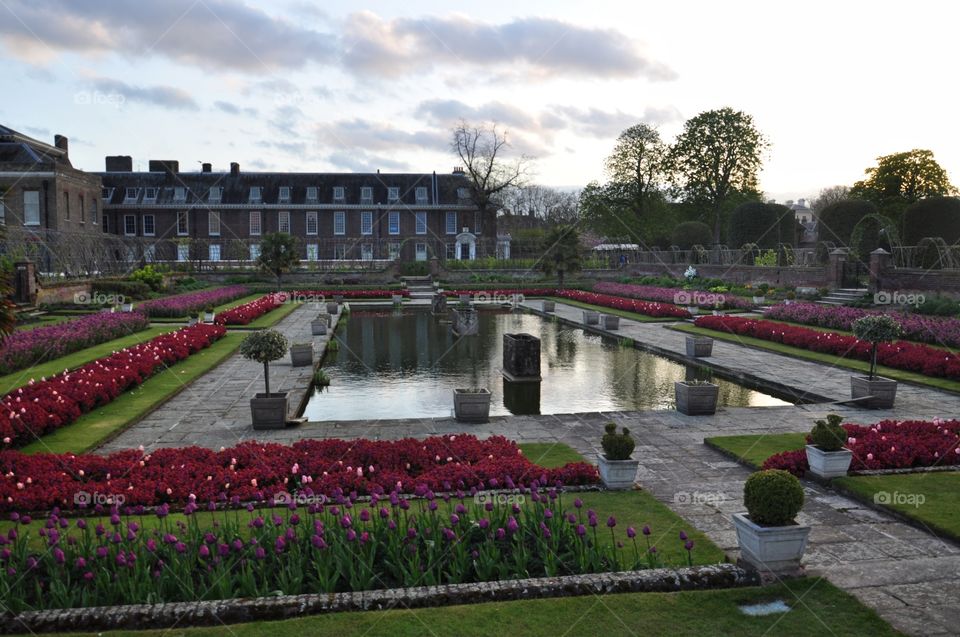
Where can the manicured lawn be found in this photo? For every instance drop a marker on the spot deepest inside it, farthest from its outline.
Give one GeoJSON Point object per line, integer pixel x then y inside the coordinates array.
{"type": "Point", "coordinates": [43, 321]}
{"type": "Point", "coordinates": [828, 359]}
{"type": "Point", "coordinates": [95, 427]}
{"type": "Point", "coordinates": [633, 316]}
{"type": "Point", "coordinates": [19, 378]}
{"type": "Point", "coordinates": [269, 319]}
{"type": "Point", "coordinates": [817, 608]}
{"type": "Point", "coordinates": [549, 454]}
{"type": "Point", "coordinates": [933, 498]}
{"type": "Point", "coordinates": [755, 449]}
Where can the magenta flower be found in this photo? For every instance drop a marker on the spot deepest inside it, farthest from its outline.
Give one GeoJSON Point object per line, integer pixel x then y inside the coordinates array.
{"type": "Point", "coordinates": [631, 532]}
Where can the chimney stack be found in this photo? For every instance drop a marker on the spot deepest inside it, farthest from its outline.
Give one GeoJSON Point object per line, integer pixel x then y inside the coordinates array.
{"type": "Point", "coordinates": [168, 166]}
{"type": "Point", "coordinates": [207, 168]}
{"type": "Point", "coordinates": [234, 168]}
{"type": "Point", "coordinates": [458, 170]}
{"type": "Point", "coordinates": [61, 142]}
{"type": "Point", "coordinates": [119, 163]}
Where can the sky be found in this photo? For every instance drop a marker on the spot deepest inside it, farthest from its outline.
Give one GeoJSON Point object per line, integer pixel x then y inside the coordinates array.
{"type": "Point", "coordinates": [293, 85]}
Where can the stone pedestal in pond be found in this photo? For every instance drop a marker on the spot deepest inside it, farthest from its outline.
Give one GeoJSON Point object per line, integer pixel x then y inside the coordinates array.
{"type": "Point", "coordinates": [522, 399]}
{"type": "Point", "coordinates": [521, 357]}
{"type": "Point", "coordinates": [465, 321]}
{"type": "Point", "coordinates": [439, 303]}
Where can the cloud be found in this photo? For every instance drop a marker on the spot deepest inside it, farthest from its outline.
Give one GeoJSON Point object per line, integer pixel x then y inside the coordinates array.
{"type": "Point", "coordinates": [232, 109]}
{"type": "Point", "coordinates": [164, 96]}
{"type": "Point", "coordinates": [286, 119]}
{"type": "Point", "coordinates": [357, 160]}
{"type": "Point", "coordinates": [594, 122]}
{"type": "Point", "coordinates": [377, 136]}
{"type": "Point", "coordinates": [294, 148]}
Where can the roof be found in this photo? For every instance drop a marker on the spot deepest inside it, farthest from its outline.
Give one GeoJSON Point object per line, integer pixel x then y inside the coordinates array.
{"type": "Point", "coordinates": [20, 149]}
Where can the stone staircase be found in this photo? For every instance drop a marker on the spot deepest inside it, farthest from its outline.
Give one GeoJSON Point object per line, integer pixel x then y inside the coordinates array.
{"type": "Point", "coordinates": [843, 296]}
{"type": "Point", "coordinates": [420, 288]}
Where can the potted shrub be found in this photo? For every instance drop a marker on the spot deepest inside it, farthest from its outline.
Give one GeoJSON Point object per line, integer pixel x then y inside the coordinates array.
{"type": "Point", "coordinates": [877, 392]}
{"type": "Point", "coordinates": [825, 453]}
{"type": "Point", "coordinates": [761, 298]}
{"type": "Point", "coordinates": [791, 297]}
{"type": "Point", "coordinates": [301, 354]}
{"type": "Point", "coordinates": [471, 405]}
{"type": "Point", "coordinates": [590, 317]}
{"type": "Point", "coordinates": [693, 309]}
{"type": "Point", "coordinates": [769, 537]}
{"type": "Point", "coordinates": [609, 322]}
{"type": "Point", "coordinates": [618, 469]}
{"type": "Point", "coordinates": [269, 410]}
{"type": "Point", "coordinates": [696, 397]}
{"type": "Point", "coordinates": [699, 346]}
{"type": "Point", "coordinates": [549, 306]}
{"type": "Point", "coordinates": [208, 314]}
{"type": "Point", "coordinates": [126, 306]}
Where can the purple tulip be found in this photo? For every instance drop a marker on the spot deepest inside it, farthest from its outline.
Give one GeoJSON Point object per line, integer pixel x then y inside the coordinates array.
{"type": "Point", "coordinates": [688, 545]}
{"type": "Point", "coordinates": [365, 515]}
{"type": "Point", "coordinates": [512, 525]}
{"type": "Point", "coordinates": [80, 563]}
{"type": "Point", "coordinates": [351, 535]}
{"type": "Point", "coordinates": [454, 519]}
{"type": "Point", "coordinates": [683, 535]}
{"type": "Point", "coordinates": [646, 530]}
{"type": "Point", "coordinates": [411, 533]}
{"type": "Point", "coordinates": [58, 556]}
{"type": "Point", "coordinates": [611, 522]}
{"type": "Point", "coordinates": [204, 551]}
{"type": "Point", "coordinates": [484, 523]}
{"type": "Point", "coordinates": [631, 532]}
{"type": "Point", "coordinates": [581, 530]}
{"type": "Point", "coordinates": [501, 534]}
{"type": "Point", "coordinates": [102, 552]}
{"type": "Point", "coordinates": [88, 576]}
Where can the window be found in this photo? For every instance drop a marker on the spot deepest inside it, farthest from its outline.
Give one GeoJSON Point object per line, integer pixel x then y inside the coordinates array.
{"type": "Point", "coordinates": [179, 194]}
{"type": "Point", "coordinates": [83, 210]}
{"type": "Point", "coordinates": [394, 222]}
{"type": "Point", "coordinates": [421, 252]}
{"type": "Point", "coordinates": [284, 194]}
{"type": "Point", "coordinates": [149, 195]}
{"type": "Point", "coordinates": [366, 222]}
{"type": "Point", "coordinates": [149, 226]}
{"type": "Point", "coordinates": [421, 222]}
{"type": "Point", "coordinates": [3, 212]}
{"type": "Point", "coordinates": [393, 249]}
{"type": "Point", "coordinates": [313, 252]}
{"type": "Point", "coordinates": [366, 194]}
{"type": "Point", "coordinates": [451, 223]}
{"type": "Point", "coordinates": [311, 193]}
{"type": "Point", "coordinates": [31, 207]}
{"type": "Point", "coordinates": [254, 251]}
{"type": "Point", "coordinates": [340, 251]}
{"type": "Point", "coordinates": [283, 221]}
{"type": "Point", "coordinates": [182, 223]}
{"type": "Point", "coordinates": [131, 195]}
{"type": "Point", "coordinates": [213, 224]}
{"type": "Point", "coordinates": [311, 223]}
{"type": "Point", "coordinates": [129, 225]}
{"type": "Point", "coordinates": [183, 252]}
{"type": "Point", "coordinates": [66, 205]}
{"type": "Point", "coordinates": [255, 222]}
{"type": "Point", "coordinates": [338, 194]}
{"type": "Point", "coordinates": [150, 252]}
{"type": "Point", "coordinates": [106, 194]}
{"type": "Point", "coordinates": [421, 194]}
{"type": "Point", "coordinates": [393, 194]}
{"type": "Point", "coordinates": [214, 252]}
{"type": "Point", "coordinates": [106, 223]}
{"type": "Point", "coordinates": [366, 251]}
{"type": "Point", "coordinates": [339, 222]}
{"type": "Point", "coordinates": [451, 251]}
{"type": "Point", "coordinates": [94, 212]}
{"type": "Point", "coordinates": [255, 194]}
{"type": "Point", "coordinates": [463, 193]}
{"type": "Point", "coordinates": [215, 194]}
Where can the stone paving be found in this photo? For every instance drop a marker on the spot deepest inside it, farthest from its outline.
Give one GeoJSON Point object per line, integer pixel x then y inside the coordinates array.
{"type": "Point", "coordinates": [906, 574]}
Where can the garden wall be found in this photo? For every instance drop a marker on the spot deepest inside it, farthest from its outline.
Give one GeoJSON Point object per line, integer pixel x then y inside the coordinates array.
{"type": "Point", "coordinates": [813, 276]}
{"type": "Point", "coordinates": [65, 293]}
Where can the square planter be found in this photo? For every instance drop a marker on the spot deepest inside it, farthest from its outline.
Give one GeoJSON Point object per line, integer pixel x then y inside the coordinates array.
{"type": "Point", "coordinates": [338, 298]}
{"type": "Point", "coordinates": [471, 405]}
{"type": "Point", "coordinates": [696, 400]}
{"type": "Point", "coordinates": [609, 322]}
{"type": "Point", "coordinates": [126, 307]}
{"type": "Point", "coordinates": [332, 308]}
{"type": "Point", "coordinates": [775, 549]}
{"type": "Point", "coordinates": [759, 300]}
{"type": "Point", "coordinates": [828, 464]}
{"type": "Point", "coordinates": [269, 411]}
{"type": "Point", "coordinates": [699, 346]}
{"type": "Point", "coordinates": [591, 318]}
{"type": "Point", "coordinates": [693, 309]}
{"type": "Point", "coordinates": [617, 474]}
{"type": "Point", "coordinates": [318, 327]}
{"type": "Point", "coordinates": [882, 390]}
{"type": "Point", "coordinates": [301, 354]}
{"type": "Point", "coordinates": [208, 317]}
{"type": "Point", "coordinates": [549, 306]}
{"type": "Point", "coordinates": [397, 299]}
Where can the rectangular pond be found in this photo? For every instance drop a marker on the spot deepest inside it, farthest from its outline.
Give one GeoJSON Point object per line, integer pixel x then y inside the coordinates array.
{"type": "Point", "coordinates": [406, 364]}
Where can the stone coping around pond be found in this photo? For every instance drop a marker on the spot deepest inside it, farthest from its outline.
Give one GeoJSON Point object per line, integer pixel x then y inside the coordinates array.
{"type": "Point", "coordinates": [232, 611]}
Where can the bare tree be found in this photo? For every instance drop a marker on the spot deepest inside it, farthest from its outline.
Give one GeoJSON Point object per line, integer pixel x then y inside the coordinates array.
{"type": "Point", "coordinates": [828, 196]}
{"type": "Point", "coordinates": [549, 204]}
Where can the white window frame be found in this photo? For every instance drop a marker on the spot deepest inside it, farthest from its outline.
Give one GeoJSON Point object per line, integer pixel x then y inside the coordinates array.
{"type": "Point", "coordinates": [283, 221]}
{"type": "Point", "coordinates": [312, 194]}
{"type": "Point", "coordinates": [185, 230]}
{"type": "Point", "coordinates": [366, 194]}
{"type": "Point", "coordinates": [313, 252]}
{"type": "Point", "coordinates": [183, 252]}
{"type": "Point", "coordinates": [339, 222]}
{"type": "Point", "coordinates": [33, 206]}
{"type": "Point", "coordinates": [366, 222]}
{"type": "Point", "coordinates": [153, 225]}
{"type": "Point", "coordinates": [450, 222]}
{"type": "Point", "coordinates": [256, 194]}
{"type": "Point", "coordinates": [147, 197]}
{"type": "Point", "coordinates": [420, 252]}
{"type": "Point", "coordinates": [256, 226]}
{"type": "Point", "coordinates": [338, 194]}
{"type": "Point", "coordinates": [340, 251]}
{"type": "Point", "coordinates": [393, 194]}
{"type": "Point", "coordinates": [313, 224]}
{"type": "Point", "coordinates": [126, 225]}
{"type": "Point", "coordinates": [284, 195]}
{"type": "Point", "coordinates": [215, 195]}
{"type": "Point", "coordinates": [179, 194]}
{"type": "Point", "coordinates": [421, 193]}
{"type": "Point", "coordinates": [366, 252]}
{"type": "Point", "coordinates": [94, 211]}
{"type": "Point", "coordinates": [421, 221]}
{"type": "Point", "coordinates": [131, 195]}
{"type": "Point", "coordinates": [213, 223]}
{"type": "Point", "coordinates": [214, 249]}
{"type": "Point", "coordinates": [393, 222]}
{"type": "Point", "coordinates": [106, 193]}
{"type": "Point", "coordinates": [393, 250]}
{"type": "Point", "coordinates": [254, 251]}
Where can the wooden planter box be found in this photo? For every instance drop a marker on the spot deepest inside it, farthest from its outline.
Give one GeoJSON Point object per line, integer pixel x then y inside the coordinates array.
{"type": "Point", "coordinates": [471, 405]}
{"type": "Point", "coordinates": [269, 411]}
{"type": "Point", "coordinates": [591, 318]}
{"type": "Point", "coordinates": [549, 306]}
{"type": "Point", "coordinates": [301, 354]}
{"type": "Point", "coordinates": [696, 400]}
{"type": "Point", "coordinates": [699, 346]}
{"type": "Point", "coordinates": [318, 327]}
{"type": "Point", "coordinates": [882, 390]}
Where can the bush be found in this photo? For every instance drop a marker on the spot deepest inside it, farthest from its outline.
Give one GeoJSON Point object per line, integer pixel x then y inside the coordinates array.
{"type": "Point", "coordinates": [691, 233]}
{"type": "Point", "coordinates": [148, 275]}
{"type": "Point", "coordinates": [264, 346]}
{"type": "Point", "coordinates": [939, 214]}
{"type": "Point", "coordinates": [837, 221]}
{"type": "Point", "coordinates": [617, 446]}
{"type": "Point", "coordinates": [876, 328]}
{"type": "Point", "coordinates": [773, 497]}
{"type": "Point", "coordinates": [767, 225]}
{"type": "Point", "coordinates": [127, 289]}
{"type": "Point", "coordinates": [829, 434]}
{"type": "Point", "coordinates": [938, 306]}
{"type": "Point", "coordinates": [417, 268]}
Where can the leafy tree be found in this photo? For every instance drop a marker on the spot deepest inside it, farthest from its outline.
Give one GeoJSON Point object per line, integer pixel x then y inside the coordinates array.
{"type": "Point", "coordinates": [932, 217]}
{"type": "Point", "coordinates": [837, 221]}
{"type": "Point", "coordinates": [902, 178]}
{"type": "Point", "coordinates": [278, 254]}
{"type": "Point", "coordinates": [561, 253]}
{"type": "Point", "coordinates": [690, 233]}
{"type": "Point", "coordinates": [829, 196]}
{"type": "Point", "coordinates": [637, 166]}
{"type": "Point", "coordinates": [8, 311]}
{"type": "Point", "coordinates": [718, 153]}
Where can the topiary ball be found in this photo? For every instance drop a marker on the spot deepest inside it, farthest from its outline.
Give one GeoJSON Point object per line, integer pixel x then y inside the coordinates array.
{"type": "Point", "coordinates": [773, 497]}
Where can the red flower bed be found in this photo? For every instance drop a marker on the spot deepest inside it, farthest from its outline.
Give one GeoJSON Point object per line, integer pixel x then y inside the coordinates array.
{"type": "Point", "coordinates": [649, 308]}
{"type": "Point", "coordinates": [258, 471]}
{"type": "Point", "coordinates": [889, 444]}
{"type": "Point", "coordinates": [41, 407]}
{"type": "Point", "coordinates": [244, 314]}
{"type": "Point", "coordinates": [327, 295]}
{"type": "Point", "coordinates": [912, 357]}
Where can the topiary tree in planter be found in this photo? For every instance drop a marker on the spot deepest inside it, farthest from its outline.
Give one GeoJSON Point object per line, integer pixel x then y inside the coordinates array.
{"type": "Point", "coordinates": [876, 328]}
{"type": "Point", "coordinates": [773, 498]}
{"type": "Point", "coordinates": [829, 434]}
{"type": "Point", "coordinates": [269, 411]}
{"type": "Point", "coordinates": [769, 537]}
{"type": "Point", "coordinates": [617, 469]}
{"type": "Point", "coordinates": [825, 453]}
{"type": "Point", "coordinates": [617, 446]}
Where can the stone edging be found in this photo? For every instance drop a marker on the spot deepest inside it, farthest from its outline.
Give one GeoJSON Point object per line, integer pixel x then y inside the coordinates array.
{"type": "Point", "coordinates": [207, 613]}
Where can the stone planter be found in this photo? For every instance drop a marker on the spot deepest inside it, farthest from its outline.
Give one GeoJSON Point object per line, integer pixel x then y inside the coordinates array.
{"type": "Point", "coordinates": [208, 317]}
{"type": "Point", "coordinates": [775, 549]}
{"type": "Point", "coordinates": [192, 321]}
{"type": "Point", "coordinates": [301, 354]}
{"type": "Point", "coordinates": [318, 327]}
{"type": "Point", "coordinates": [332, 308]}
{"type": "Point", "coordinates": [759, 300]}
{"type": "Point", "coordinates": [609, 322]}
{"type": "Point", "coordinates": [465, 299]}
{"type": "Point", "coordinates": [788, 301]}
{"type": "Point", "coordinates": [397, 299]}
{"type": "Point", "coordinates": [549, 306]}
{"type": "Point", "coordinates": [471, 405]}
{"type": "Point", "coordinates": [126, 307]}
{"type": "Point", "coordinates": [699, 346]}
{"type": "Point", "coordinates": [828, 464]}
{"type": "Point", "coordinates": [617, 474]}
{"type": "Point", "coordinates": [696, 400]}
{"type": "Point", "coordinates": [591, 318]}
{"type": "Point", "coordinates": [338, 298]}
{"type": "Point", "coordinates": [693, 309]}
{"type": "Point", "coordinates": [269, 411]}
{"type": "Point", "coordinates": [882, 390]}
{"type": "Point", "coordinates": [521, 357]}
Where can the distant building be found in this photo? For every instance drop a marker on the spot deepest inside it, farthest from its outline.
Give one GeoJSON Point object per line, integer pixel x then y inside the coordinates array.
{"type": "Point", "coordinates": [800, 210]}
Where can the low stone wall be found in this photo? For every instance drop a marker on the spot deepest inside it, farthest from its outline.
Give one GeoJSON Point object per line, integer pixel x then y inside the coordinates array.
{"type": "Point", "coordinates": [232, 611]}
{"type": "Point", "coordinates": [906, 280]}
{"type": "Point", "coordinates": [65, 293]}
{"type": "Point", "coordinates": [812, 276]}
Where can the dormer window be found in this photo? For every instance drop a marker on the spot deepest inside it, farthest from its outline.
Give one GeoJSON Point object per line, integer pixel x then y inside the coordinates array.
{"type": "Point", "coordinates": [366, 194]}
{"type": "Point", "coordinates": [421, 194]}
{"type": "Point", "coordinates": [256, 195]}
{"type": "Point", "coordinates": [106, 194]}
{"type": "Point", "coordinates": [463, 193]}
{"type": "Point", "coordinates": [131, 195]}
{"type": "Point", "coordinates": [179, 194]}
{"type": "Point", "coordinates": [393, 194]}
{"type": "Point", "coordinates": [284, 194]}
{"type": "Point", "coordinates": [149, 195]}
{"type": "Point", "coordinates": [312, 193]}
{"type": "Point", "coordinates": [338, 195]}
{"type": "Point", "coordinates": [215, 195]}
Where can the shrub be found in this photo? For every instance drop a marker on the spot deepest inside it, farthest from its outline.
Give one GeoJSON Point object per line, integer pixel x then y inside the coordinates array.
{"type": "Point", "coordinates": [939, 306]}
{"type": "Point", "coordinates": [417, 268]}
{"type": "Point", "coordinates": [126, 289]}
{"type": "Point", "coordinates": [837, 221]}
{"type": "Point", "coordinates": [829, 434]}
{"type": "Point", "coordinates": [773, 497]}
{"type": "Point", "coordinates": [617, 446]}
{"type": "Point", "coordinates": [264, 346]}
{"type": "Point", "coordinates": [941, 214]}
{"type": "Point", "coordinates": [691, 233]}
{"type": "Point", "coordinates": [149, 276]}
{"type": "Point", "coordinates": [766, 225]}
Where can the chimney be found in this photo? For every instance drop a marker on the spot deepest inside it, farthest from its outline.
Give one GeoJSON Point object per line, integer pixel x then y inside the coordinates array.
{"type": "Point", "coordinates": [207, 168]}
{"type": "Point", "coordinates": [119, 163]}
{"type": "Point", "coordinates": [234, 168]}
{"type": "Point", "coordinates": [169, 166]}
{"type": "Point", "coordinates": [62, 143]}
{"type": "Point", "coordinates": [458, 170]}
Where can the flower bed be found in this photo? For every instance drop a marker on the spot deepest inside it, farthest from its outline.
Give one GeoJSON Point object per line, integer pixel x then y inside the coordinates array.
{"type": "Point", "coordinates": [326, 547]}
{"type": "Point", "coordinates": [904, 355]}
{"type": "Point", "coordinates": [257, 471]}
{"type": "Point", "coordinates": [327, 295]}
{"type": "Point", "coordinates": [41, 407]}
{"type": "Point", "coordinates": [889, 444]}
{"type": "Point", "coordinates": [674, 296]}
{"type": "Point", "coordinates": [187, 304]}
{"type": "Point", "coordinates": [658, 310]}
{"type": "Point", "coordinates": [936, 330]}
{"type": "Point", "coordinates": [31, 347]}
{"type": "Point", "coordinates": [246, 313]}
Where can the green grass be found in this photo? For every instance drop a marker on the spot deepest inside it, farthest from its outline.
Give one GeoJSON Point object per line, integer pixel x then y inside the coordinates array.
{"type": "Point", "coordinates": [43, 321]}
{"type": "Point", "coordinates": [550, 454]}
{"type": "Point", "coordinates": [643, 318]}
{"type": "Point", "coordinates": [95, 427]}
{"type": "Point", "coordinates": [819, 357]}
{"type": "Point", "coordinates": [815, 606]}
{"type": "Point", "coordinates": [269, 319]}
{"type": "Point", "coordinates": [19, 378]}
{"type": "Point", "coordinates": [940, 490]}
{"type": "Point", "coordinates": [755, 449]}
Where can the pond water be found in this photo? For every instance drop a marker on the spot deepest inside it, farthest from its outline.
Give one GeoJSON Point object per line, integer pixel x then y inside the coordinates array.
{"type": "Point", "coordinates": [406, 364]}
